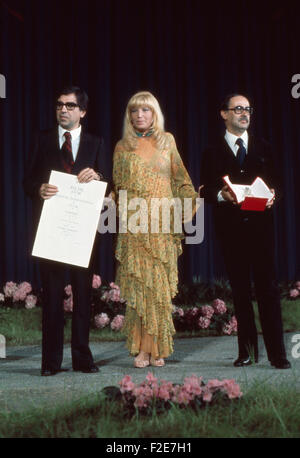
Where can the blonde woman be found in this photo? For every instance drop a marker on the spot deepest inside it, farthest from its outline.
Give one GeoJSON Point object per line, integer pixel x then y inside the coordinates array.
{"type": "Point", "coordinates": [147, 166]}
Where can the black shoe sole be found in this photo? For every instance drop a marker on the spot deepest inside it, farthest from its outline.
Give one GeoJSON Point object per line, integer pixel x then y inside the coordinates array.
{"type": "Point", "coordinates": [283, 366]}
{"type": "Point", "coordinates": [48, 373]}
{"type": "Point", "coordinates": [87, 371]}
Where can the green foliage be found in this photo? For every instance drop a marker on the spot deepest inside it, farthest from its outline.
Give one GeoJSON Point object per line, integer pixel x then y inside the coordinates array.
{"type": "Point", "coordinates": [24, 327]}
{"type": "Point", "coordinates": [202, 292]}
{"type": "Point", "coordinates": [265, 411]}
{"type": "Point", "coordinates": [21, 326]}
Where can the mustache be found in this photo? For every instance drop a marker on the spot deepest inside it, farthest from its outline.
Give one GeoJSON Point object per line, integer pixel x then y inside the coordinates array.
{"type": "Point", "coordinates": [243, 118]}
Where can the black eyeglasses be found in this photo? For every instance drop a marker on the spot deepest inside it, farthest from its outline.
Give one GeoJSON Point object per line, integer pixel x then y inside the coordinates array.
{"type": "Point", "coordinates": [239, 109]}
{"type": "Point", "coordinates": [69, 105]}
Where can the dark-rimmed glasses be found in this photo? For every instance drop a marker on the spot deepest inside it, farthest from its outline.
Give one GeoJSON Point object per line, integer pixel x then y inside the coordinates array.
{"type": "Point", "coordinates": [239, 109]}
{"type": "Point", "coordinates": [70, 106]}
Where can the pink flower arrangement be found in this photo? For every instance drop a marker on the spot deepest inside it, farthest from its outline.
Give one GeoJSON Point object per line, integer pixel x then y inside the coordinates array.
{"type": "Point", "coordinates": [126, 384]}
{"type": "Point", "coordinates": [96, 281]}
{"type": "Point", "coordinates": [104, 296]}
{"type": "Point", "coordinates": [232, 389]}
{"type": "Point", "coordinates": [114, 286]}
{"type": "Point", "coordinates": [207, 311]}
{"type": "Point", "coordinates": [16, 293]}
{"type": "Point", "coordinates": [21, 292]}
{"type": "Point", "coordinates": [193, 390]}
{"type": "Point", "coordinates": [178, 310]}
{"type": "Point", "coordinates": [164, 391]}
{"type": "Point", "coordinates": [30, 301]}
{"type": "Point", "coordinates": [203, 322]}
{"type": "Point", "coordinates": [183, 394]}
{"type": "Point", "coordinates": [294, 292]}
{"type": "Point", "coordinates": [219, 306]}
{"type": "Point", "coordinates": [68, 290]}
{"type": "Point", "coordinates": [68, 304]}
{"type": "Point", "coordinates": [117, 323]}
{"type": "Point", "coordinates": [10, 288]}
{"type": "Point", "coordinates": [229, 387]}
{"type": "Point", "coordinates": [101, 320]}
{"type": "Point", "coordinates": [231, 326]}
{"type": "Point", "coordinates": [113, 295]}
{"type": "Point", "coordinates": [216, 317]}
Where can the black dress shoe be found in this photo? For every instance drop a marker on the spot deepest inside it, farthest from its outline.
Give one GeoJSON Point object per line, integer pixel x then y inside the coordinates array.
{"type": "Point", "coordinates": [281, 363]}
{"type": "Point", "coordinates": [49, 372]}
{"type": "Point", "coordinates": [246, 361]}
{"type": "Point", "coordinates": [87, 370]}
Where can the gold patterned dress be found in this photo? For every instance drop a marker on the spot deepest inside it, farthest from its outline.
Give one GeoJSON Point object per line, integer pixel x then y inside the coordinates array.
{"type": "Point", "coordinates": [147, 259]}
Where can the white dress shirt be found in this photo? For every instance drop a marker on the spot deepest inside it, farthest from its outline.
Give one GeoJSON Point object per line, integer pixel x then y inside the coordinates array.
{"type": "Point", "coordinates": [231, 140]}
{"type": "Point", "coordinates": [75, 139]}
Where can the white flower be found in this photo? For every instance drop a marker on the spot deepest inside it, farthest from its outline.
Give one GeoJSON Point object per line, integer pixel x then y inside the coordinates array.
{"type": "Point", "coordinates": [30, 301]}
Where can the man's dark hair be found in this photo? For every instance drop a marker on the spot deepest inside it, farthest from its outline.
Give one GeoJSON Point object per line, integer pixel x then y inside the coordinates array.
{"type": "Point", "coordinates": [225, 103]}
{"type": "Point", "coordinates": [81, 96]}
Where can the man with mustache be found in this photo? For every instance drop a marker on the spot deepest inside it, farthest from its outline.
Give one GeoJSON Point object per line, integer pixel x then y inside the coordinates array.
{"type": "Point", "coordinates": [67, 148]}
{"type": "Point", "coordinates": [246, 237]}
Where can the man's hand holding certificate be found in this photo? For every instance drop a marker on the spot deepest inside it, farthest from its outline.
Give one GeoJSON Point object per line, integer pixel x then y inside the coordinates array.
{"type": "Point", "coordinates": [255, 197]}
{"type": "Point", "coordinates": [69, 220]}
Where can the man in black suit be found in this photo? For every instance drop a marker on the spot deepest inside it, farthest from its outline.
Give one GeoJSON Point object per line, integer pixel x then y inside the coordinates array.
{"type": "Point", "coordinates": [67, 148]}
{"type": "Point", "coordinates": [246, 237]}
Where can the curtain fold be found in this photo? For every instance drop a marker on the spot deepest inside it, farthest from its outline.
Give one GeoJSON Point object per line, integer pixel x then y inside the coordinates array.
{"type": "Point", "coordinates": [190, 56]}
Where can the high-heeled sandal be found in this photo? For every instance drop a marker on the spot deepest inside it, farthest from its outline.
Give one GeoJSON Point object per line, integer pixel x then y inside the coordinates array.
{"type": "Point", "coordinates": [157, 362]}
{"type": "Point", "coordinates": [140, 363]}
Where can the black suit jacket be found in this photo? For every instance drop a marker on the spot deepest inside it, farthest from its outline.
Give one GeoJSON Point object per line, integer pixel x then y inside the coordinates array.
{"type": "Point", "coordinates": [218, 161]}
{"type": "Point", "coordinates": [46, 156]}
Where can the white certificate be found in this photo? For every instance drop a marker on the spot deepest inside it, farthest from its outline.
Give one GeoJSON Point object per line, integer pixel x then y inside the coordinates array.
{"type": "Point", "coordinates": [69, 220]}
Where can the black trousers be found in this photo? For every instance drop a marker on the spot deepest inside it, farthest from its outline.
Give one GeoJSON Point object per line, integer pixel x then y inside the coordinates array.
{"type": "Point", "coordinates": [248, 249]}
{"type": "Point", "coordinates": [54, 276]}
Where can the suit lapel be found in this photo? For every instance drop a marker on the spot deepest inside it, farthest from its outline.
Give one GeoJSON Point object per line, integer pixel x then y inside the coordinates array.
{"type": "Point", "coordinates": [82, 152]}
{"type": "Point", "coordinates": [251, 156]}
{"type": "Point", "coordinates": [228, 153]}
{"type": "Point", "coordinates": [55, 151]}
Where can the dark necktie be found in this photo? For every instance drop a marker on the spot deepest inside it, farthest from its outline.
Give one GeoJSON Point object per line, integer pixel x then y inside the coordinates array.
{"type": "Point", "coordinates": [67, 153]}
{"type": "Point", "coordinates": [241, 153]}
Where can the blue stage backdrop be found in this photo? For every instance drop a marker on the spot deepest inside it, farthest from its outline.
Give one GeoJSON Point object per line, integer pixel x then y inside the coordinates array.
{"type": "Point", "coordinates": [190, 56]}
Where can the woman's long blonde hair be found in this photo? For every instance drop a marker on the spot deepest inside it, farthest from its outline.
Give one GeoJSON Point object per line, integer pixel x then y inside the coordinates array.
{"type": "Point", "coordinates": [141, 99]}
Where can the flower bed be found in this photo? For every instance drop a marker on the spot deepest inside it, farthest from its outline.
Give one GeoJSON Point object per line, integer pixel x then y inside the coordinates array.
{"type": "Point", "coordinates": [108, 307]}
{"type": "Point", "coordinates": [215, 317]}
{"type": "Point", "coordinates": [18, 295]}
{"type": "Point", "coordinates": [294, 292]}
{"type": "Point", "coordinates": [153, 394]}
